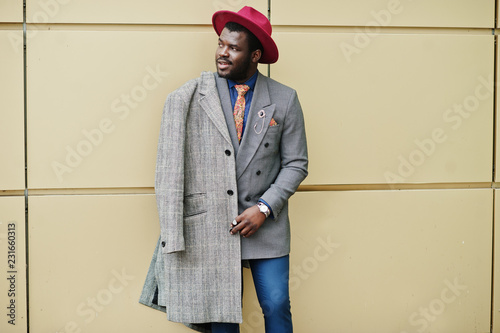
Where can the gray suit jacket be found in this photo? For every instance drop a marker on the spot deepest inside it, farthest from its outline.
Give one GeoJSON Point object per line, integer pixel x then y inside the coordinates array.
{"type": "Point", "coordinates": [271, 161]}
{"type": "Point", "coordinates": [204, 179]}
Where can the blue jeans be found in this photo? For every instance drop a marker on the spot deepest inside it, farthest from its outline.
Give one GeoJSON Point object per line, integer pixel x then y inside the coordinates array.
{"type": "Point", "coordinates": [271, 278]}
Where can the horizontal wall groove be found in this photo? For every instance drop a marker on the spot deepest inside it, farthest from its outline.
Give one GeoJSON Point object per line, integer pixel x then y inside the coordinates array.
{"type": "Point", "coordinates": [120, 27]}
{"type": "Point", "coordinates": [91, 191]}
{"type": "Point", "coordinates": [11, 193]}
{"type": "Point", "coordinates": [11, 26]}
{"type": "Point", "coordinates": [397, 187]}
{"type": "Point", "coordinates": [276, 28]}
{"type": "Point", "coordinates": [374, 30]}
{"type": "Point", "coordinates": [302, 188]}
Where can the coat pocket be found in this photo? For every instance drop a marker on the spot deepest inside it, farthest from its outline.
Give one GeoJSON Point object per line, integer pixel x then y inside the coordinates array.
{"type": "Point", "coordinates": [274, 129]}
{"type": "Point", "coordinates": [194, 204]}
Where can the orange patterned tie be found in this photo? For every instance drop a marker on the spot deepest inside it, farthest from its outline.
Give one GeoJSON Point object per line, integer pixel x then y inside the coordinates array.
{"type": "Point", "coordinates": [239, 108]}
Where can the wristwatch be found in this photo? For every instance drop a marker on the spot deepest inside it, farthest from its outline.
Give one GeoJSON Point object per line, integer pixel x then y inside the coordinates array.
{"type": "Point", "coordinates": [264, 209]}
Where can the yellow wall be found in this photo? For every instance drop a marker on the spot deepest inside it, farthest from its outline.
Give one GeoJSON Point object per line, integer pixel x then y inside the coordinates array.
{"type": "Point", "coordinates": [392, 231]}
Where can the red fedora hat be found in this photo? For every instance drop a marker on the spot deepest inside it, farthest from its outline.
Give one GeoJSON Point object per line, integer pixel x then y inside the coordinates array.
{"type": "Point", "coordinates": [254, 21]}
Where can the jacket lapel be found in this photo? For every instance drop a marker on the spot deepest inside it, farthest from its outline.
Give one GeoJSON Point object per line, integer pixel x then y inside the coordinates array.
{"type": "Point", "coordinates": [210, 103]}
{"type": "Point", "coordinates": [260, 115]}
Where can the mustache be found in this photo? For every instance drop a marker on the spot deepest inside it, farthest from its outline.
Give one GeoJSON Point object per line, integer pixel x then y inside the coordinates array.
{"type": "Point", "coordinates": [225, 59]}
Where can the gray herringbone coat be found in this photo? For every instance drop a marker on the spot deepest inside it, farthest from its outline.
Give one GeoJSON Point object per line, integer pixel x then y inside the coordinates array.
{"type": "Point", "coordinates": [205, 178]}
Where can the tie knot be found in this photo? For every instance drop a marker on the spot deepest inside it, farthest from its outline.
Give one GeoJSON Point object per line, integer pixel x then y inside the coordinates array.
{"type": "Point", "coordinates": [241, 89]}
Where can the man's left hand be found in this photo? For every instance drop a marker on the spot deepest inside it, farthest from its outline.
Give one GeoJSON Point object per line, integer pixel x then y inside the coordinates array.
{"type": "Point", "coordinates": [248, 222]}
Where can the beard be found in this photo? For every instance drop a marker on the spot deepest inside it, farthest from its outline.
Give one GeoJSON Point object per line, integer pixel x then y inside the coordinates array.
{"type": "Point", "coordinates": [239, 72]}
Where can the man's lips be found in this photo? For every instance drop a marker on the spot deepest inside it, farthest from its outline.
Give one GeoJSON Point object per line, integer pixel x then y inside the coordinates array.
{"type": "Point", "coordinates": [223, 64]}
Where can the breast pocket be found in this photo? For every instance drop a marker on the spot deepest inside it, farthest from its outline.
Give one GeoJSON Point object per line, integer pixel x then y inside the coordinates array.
{"type": "Point", "coordinates": [273, 129]}
{"type": "Point", "coordinates": [194, 204]}
{"type": "Point", "coordinates": [271, 141]}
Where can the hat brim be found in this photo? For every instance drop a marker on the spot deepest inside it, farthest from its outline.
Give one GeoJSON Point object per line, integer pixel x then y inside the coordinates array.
{"type": "Point", "coordinates": [269, 54]}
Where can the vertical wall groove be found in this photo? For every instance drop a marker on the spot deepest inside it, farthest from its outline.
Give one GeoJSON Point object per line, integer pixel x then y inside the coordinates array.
{"type": "Point", "coordinates": [269, 17]}
{"type": "Point", "coordinates": [492, 264]}
{"type": "Point", "coordinates": [26, 168]}
{"type": "Point", "coordinates": [495, 66]}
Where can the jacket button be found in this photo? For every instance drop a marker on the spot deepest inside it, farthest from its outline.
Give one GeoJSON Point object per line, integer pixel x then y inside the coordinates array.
{"type": "Point", "coordinates": [230, 192]}
{"type": "Point", "coordinates": [258, 172]}
{"type": "Point", "coordinates": [248, 199]}
{"type": "Point", "coordinates": [266, 144]}
{"type": "Point", "coordinates": [163, 244]}
{"type": "Point", "coordinates": [228, 152]}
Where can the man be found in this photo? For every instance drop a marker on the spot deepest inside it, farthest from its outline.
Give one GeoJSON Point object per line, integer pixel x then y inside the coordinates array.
{"type": "Point", "coordinates": [231, 152]}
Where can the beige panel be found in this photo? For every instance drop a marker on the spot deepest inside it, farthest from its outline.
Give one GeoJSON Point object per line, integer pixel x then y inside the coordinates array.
{"type": "Point", "coordinates": [130, 11]}
{"type": "Point", "coordinates": [398, 109]}
{"type": "Point", "coordinates": [12, 266]}
{"type": "Point", "coordinates": [95, 101]}
{"type": "Point", "coordinates": [12, 110]}
{"type": "Point", "coordinates": [11, 11]}
{"type": "Point", "coordinates": [422, 13]}
{"type": "Point", "coordinates": [407, 261]}
{"type": "Point", "coordinates": [89, 256]}
{"type": "Point", "coordinates": [405, 251]}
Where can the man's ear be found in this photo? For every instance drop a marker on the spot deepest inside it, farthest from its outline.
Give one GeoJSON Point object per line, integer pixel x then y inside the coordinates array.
{"type": "Point", "coordinates": [256, 55]}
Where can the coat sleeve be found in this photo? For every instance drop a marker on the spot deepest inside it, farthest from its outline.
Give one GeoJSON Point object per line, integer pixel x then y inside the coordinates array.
{"type": "Point", "coordinates": [294, 160]}
{"type": "Point", "coordinates": [169, 177]}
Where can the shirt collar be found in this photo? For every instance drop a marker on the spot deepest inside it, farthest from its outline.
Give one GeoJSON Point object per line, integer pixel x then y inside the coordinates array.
{"type": "Point", "coordinates": [250, 82]}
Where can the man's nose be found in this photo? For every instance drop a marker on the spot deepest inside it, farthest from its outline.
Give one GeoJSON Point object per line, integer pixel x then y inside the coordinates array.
{"type": "Point", "coordinates": [223, 52]}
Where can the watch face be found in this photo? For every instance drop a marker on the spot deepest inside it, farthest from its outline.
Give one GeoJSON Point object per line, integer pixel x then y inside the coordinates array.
{"type": "Point", "coordinates": [263, 208]}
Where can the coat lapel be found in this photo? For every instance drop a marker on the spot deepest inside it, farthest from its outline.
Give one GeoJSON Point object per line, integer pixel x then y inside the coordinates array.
{"type": "Point", "coordinates": [225, 101]}
{"type": "Point", "coordinates": [256, 126]}
{"type": "Point", "coordinates": [210, 103]}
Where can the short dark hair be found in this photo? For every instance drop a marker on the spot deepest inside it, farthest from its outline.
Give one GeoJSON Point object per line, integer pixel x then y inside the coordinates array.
{"type": "Point", "coordinates": [253, 42]}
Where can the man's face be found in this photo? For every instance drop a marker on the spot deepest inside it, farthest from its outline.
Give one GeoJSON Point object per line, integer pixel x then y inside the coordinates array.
{"type": "Point", "coordinates": [232, 57]}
